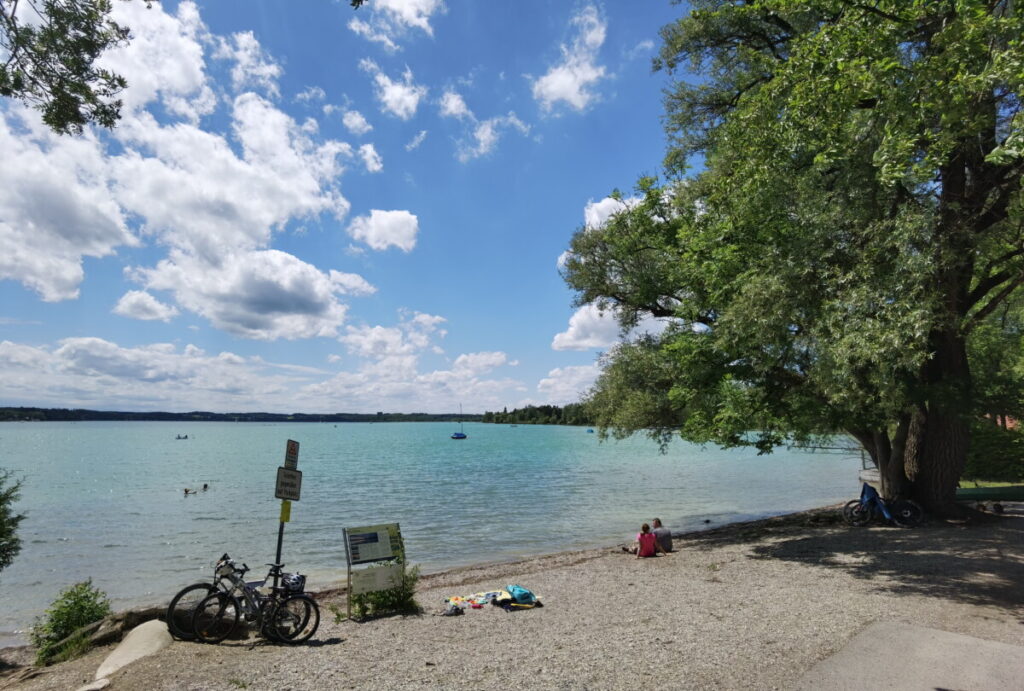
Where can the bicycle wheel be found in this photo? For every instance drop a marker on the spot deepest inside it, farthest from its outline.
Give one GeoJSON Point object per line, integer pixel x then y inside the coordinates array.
{"type": "Point", "coordinates": [848, 510]}
{"type": "Point", "coordinates": [860, 514]}
{"type": "Point", "coordinates": [295, 620]}
{"type": "Point", "coordinates": [179, 612]}
{"type": "Point", "coordinates": [906, 513]}
{"type": "Point", "coordinates": [215, 617]}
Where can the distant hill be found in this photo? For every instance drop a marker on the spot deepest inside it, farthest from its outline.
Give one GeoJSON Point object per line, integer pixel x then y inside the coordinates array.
{"type": "Point", "coordinates": [65, 414]}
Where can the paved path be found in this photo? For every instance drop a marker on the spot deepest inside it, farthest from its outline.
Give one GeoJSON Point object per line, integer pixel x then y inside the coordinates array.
{"type": "Point", "coordinates": [903, 657]}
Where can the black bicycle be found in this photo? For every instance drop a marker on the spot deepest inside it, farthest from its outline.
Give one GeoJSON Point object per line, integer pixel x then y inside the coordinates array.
{"type": "Point", "coordinates": [286, 614]}
{"type": "Point", "coordinates": [179, 612]}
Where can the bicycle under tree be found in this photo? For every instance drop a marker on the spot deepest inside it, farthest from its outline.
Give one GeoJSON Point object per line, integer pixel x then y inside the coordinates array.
{"type": "Point", "coordinates": [286, 614]}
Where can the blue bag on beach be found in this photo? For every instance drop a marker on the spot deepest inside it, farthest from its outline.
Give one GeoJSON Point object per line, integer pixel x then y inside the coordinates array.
{"type": "Point", "coordinates": [521, 595]}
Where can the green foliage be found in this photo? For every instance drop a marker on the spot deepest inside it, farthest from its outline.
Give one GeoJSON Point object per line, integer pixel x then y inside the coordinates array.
{"type": "Point", "coordinates": [996, 454]}
{"type": "Point", "coordinates": [571, 414]}
{"type": "Point", "coordinates": [51, 63]}
{"type": "Point", "coordinates": [856, 224]}
{"type": "Point", "coordinates": [398, 600]}
{"type": "Point", "coordinates": [10, 543]}
{"type": "Point", "coordinates": [75, 607]}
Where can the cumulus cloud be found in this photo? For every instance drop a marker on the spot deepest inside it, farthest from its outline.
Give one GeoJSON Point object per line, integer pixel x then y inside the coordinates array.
{"type": "Point", "coordinates": [568, 384]}
{"type": "Point", "coordinates": [92, 372]}
{"type": "Point", "coordinates": [383, 229]}
{"type": "Point", "coordinates": [164, 61]}
{"type": "Point", "coordinates": [571, 81]}
{"type": "Point", "coordinates": [138, 304]}
{"type": "Point", "coordinates": [453, 106]}
{"type": "Point", "coordinates": [391, 20]}
{"type": "Point", "coordinates": [589, 328]}
{"type": "Point", "coordinates": [56, 207]}
{"type": "Point", "coordinates": [400, 98]}
{"type": "Point", "coordinates": [253, 67]}
{"type": "Point", "coordinates": [355, 122]}
{"type": "Point", "coordinates": [371, 159]}
{"type": "Point", "coordinates": [351, 284]}
{"type": "Point", "coordinates": [416, 141]}
{"type": "Point", "coordinates": [596, 214]}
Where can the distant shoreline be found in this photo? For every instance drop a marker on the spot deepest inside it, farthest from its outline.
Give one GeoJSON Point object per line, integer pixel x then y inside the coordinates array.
{"type": "Point", "coordinates": [27, 414]}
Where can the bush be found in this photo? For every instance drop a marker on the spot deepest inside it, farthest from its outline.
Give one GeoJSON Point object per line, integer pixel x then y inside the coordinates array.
{"type": "Point", "coordinates": [996, 454]}
{"type": "Point", "coordinates": [398, 600]}
{"type": "Point", "coordinates": [77, 606]}
{"type": "Point", "coordinates": [10, 544]}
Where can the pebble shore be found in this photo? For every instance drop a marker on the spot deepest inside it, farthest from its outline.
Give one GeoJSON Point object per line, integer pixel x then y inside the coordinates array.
{"type": "Point", "coordinates": [748, 606]}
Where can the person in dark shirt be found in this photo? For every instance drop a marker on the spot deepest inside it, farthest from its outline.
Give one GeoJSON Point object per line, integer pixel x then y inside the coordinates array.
{"type": "Point", "coordinates": [662, 534]}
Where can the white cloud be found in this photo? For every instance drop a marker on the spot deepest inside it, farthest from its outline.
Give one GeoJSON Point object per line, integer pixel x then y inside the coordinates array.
{"type": "Point", "coordinates": [589, 328]}
{"type": "Point", "coordinates": [97, 373]}
{"type": "Point", "coordinates": [253, 67]}
{"type": "Point", "coordinates": [351, 284]}
{"type": "Point", "coordinates": [310, 93]}
{"type": "Point", "coordinates": [568, 384]}
{"type": "Point", "coordinates": [479, 363]}
{"type": "Point", "coordinates": [453, 106]}
{"type": "Point", "coordinates": [374, 35]}
{"type": "Point", "coordinates": [416, 141]}
{"type": "Point", "coordinates": [486, 135]}
{"type": "Point", "coordinates": [138, 304]}
{"type": "Point", "coordinates": [371, 159]}
{"type": "Point", "coordinates": [571, 80]}
{"type": "Point", "coordinates": [383, 229]}
{"type": "Point", "coordinates": [390, 20]}
{"type": "Point", "coordinates": [596, 214]}
{"type": "Point", "coordinates": [56, 207]}
{"type": "Point", "coordinates": [264, 295]}
{"type": "Point", "coordinates": [400, 98]}
{"type": "Point", "coordinates": [355, 122]}
{"type": "Point", "coordinates": [164, 60]}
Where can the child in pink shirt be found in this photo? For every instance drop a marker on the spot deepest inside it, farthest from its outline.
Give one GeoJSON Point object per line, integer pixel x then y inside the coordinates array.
{"type": "Point", "coordinates": [647, 543]}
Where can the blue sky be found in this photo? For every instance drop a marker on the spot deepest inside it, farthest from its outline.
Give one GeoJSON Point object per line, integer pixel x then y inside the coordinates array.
{"type": "Point", "coordinates": [307, 208]}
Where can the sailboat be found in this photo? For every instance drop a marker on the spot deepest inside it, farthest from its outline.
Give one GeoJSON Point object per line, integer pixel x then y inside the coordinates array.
{"type": "Point", "coordinates": [460, 434]}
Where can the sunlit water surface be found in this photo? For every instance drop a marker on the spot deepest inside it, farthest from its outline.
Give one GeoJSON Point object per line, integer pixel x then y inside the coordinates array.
{"type": "Point", "coordinates": [104, 500]}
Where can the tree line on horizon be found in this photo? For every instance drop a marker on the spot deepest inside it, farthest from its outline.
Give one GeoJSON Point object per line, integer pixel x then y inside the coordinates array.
{"type": "Point", "coordinates": [80, 414]}
{"type": "Point", "coordinates": [571, 414]}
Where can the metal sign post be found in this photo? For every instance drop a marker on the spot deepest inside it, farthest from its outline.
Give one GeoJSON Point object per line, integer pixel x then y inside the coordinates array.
{"type": "Point", "coordinates": [288, 489]}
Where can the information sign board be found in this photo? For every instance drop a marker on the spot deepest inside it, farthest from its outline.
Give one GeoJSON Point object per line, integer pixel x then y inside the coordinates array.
{"type": "Point", "coordinates": [376, 578]}
{"type": "Point", "coordinates": [373, 543]}
{"type": "Point", "coordinates": [291, 455]}
{"type": "Point", "coordinates": [289, 484]}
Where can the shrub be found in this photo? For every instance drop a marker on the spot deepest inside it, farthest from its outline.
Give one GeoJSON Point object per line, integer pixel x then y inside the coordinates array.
{"type": "Point", "coordinates": [75, 607]}
{"type": "Point", "coordinates": [996, 454]}
{"type": "Point", "coordinates": [10, 544]}
{"type": "Point", "coordinates": [398, 600]}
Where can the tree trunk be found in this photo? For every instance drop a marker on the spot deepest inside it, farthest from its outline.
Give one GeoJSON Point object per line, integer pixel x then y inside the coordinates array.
{"type": "Point", "coordinates": [939, 433]}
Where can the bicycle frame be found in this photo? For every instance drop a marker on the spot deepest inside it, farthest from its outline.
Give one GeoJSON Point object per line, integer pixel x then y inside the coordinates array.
{"type": "Point", "coordinates": [869, 497]}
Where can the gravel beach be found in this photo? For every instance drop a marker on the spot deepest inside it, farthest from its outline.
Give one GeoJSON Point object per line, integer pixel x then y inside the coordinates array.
{"type": "Point", "coordinates": [749, 605]}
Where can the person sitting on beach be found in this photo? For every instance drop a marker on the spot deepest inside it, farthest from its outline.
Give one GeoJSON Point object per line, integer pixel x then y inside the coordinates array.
{"type": "Point", "coordinates": [663, 534]}
{"type": "Point", "coordinates": [646, 544]}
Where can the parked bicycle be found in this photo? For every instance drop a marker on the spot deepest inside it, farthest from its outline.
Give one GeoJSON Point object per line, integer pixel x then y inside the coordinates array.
{"type": "Point", "coordinates": [286, 614]}
{"type": "Point", "coordinates": [184, 603]}
{"type": "Point", "coordinates": [902, 512]}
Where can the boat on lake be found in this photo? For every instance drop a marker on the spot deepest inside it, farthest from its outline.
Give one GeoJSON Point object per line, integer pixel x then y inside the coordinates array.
{"type": "Point", "coordinates": [460, 434]}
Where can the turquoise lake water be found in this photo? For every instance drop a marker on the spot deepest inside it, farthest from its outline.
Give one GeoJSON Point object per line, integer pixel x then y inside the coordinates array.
{"type": "Point", "coordinates": [104, 500]}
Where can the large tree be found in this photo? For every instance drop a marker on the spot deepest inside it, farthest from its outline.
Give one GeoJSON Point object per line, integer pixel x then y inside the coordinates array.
{"type": "Point", "coordinates": [48, 50]}
{"type": "Point", "coordinates": [857, 217]}
{"type": "Point", "coordinates": [10, 543]}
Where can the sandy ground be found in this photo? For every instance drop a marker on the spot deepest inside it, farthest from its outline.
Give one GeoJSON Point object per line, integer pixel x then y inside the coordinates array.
{"type": "Point", "coordinates": [746, 606]}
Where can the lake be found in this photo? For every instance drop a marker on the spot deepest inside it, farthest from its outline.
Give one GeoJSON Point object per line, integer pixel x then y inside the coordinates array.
{"type": "Point", "coordinates": [105, 500]}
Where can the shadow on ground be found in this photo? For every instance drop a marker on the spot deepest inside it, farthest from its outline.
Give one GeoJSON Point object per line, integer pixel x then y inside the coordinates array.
{"type": "Point", "coordinates": [979, 563]}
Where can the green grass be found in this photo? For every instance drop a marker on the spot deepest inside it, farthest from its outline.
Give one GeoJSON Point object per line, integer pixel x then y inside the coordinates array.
{"type": "Point", "coordinates": [986, 483]}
